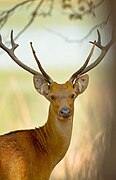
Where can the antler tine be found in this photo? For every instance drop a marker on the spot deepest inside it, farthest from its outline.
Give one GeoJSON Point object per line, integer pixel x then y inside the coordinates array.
{"type": "Point", "coordinates": [72, 78]}
{"type": "Point", "coordinates": [48, 78]}
{"type": "Point", "coordinates": [1, 44]}
{"type": "Point", "coordinates": [0, 39]}
{"type": "Point", "coordinates": [10, 52]}
{"type": "Point", "coordinates": [98, 42]}
{"type": "Point", "coordinates": [99, 38]}
{"type": "Point", "coordinates": [14, 45]}
{"type": "Point", "coordinates": [104, 50]}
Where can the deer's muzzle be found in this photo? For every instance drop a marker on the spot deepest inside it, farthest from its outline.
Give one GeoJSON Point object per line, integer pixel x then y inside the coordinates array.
{"type": "Point", "coordinates": [65, 112]}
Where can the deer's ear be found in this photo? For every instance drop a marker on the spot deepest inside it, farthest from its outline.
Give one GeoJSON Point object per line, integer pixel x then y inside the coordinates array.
{"type": "Point", "coordinates": [41, 85]}
{"type": "Point", "coordinates": [81, 84]}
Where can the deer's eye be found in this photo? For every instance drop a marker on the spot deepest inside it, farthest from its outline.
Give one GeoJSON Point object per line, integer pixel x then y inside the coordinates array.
{"type": "Point", "coordinates": [52, 97]}
{"type": "Point", "coordinates": [72, 96]}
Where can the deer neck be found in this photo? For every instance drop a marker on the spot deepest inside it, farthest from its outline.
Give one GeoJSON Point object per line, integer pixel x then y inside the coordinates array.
{"type": "Point", "coordinates": [58, 133]}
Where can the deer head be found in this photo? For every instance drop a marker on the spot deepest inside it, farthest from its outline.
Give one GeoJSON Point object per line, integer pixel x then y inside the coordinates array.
{"type": "Point", "coordinates": [63, 94]}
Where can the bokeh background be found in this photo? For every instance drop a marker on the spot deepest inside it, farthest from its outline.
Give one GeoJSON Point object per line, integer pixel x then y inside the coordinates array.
{"type": "Point", "coordinates": [62, 45]}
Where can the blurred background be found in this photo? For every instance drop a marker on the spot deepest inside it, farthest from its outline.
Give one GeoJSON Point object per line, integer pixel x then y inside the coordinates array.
{"type": "Point", "coordinates": [60, 32]}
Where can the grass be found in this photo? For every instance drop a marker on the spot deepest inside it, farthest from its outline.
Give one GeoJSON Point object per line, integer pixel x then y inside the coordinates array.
{"type": "Point", "coordinates": [17, 101]}
{"type": "Point", "coordinates": [21, 107]}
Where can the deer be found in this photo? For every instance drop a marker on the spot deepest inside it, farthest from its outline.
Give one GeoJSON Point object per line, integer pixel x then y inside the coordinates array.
{"type": "Point", "coordinates": [32, 154]}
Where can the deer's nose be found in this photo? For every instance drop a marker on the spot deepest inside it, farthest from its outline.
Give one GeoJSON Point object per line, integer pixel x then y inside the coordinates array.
{"type": "Point", "coordinates": [65, 112]}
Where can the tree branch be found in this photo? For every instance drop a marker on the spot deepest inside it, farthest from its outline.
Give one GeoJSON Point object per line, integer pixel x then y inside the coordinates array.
{"type": "Point", "coordinates": [33, 16]}
{"type": "Point", "coordinates": [4, 15]}
{"type": "Point", "coordinates": [99, 25]}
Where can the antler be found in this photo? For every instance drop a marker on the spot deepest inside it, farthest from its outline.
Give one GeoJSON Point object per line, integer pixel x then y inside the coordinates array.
{"type": "Point", "coordinates": [10, 52]}
{"type": "Point", "coordinates": [48, 78]}
{"type": "Point", "coordinates": [72, 78]}
{"type": "Point", "coordinates": [104, 50]}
